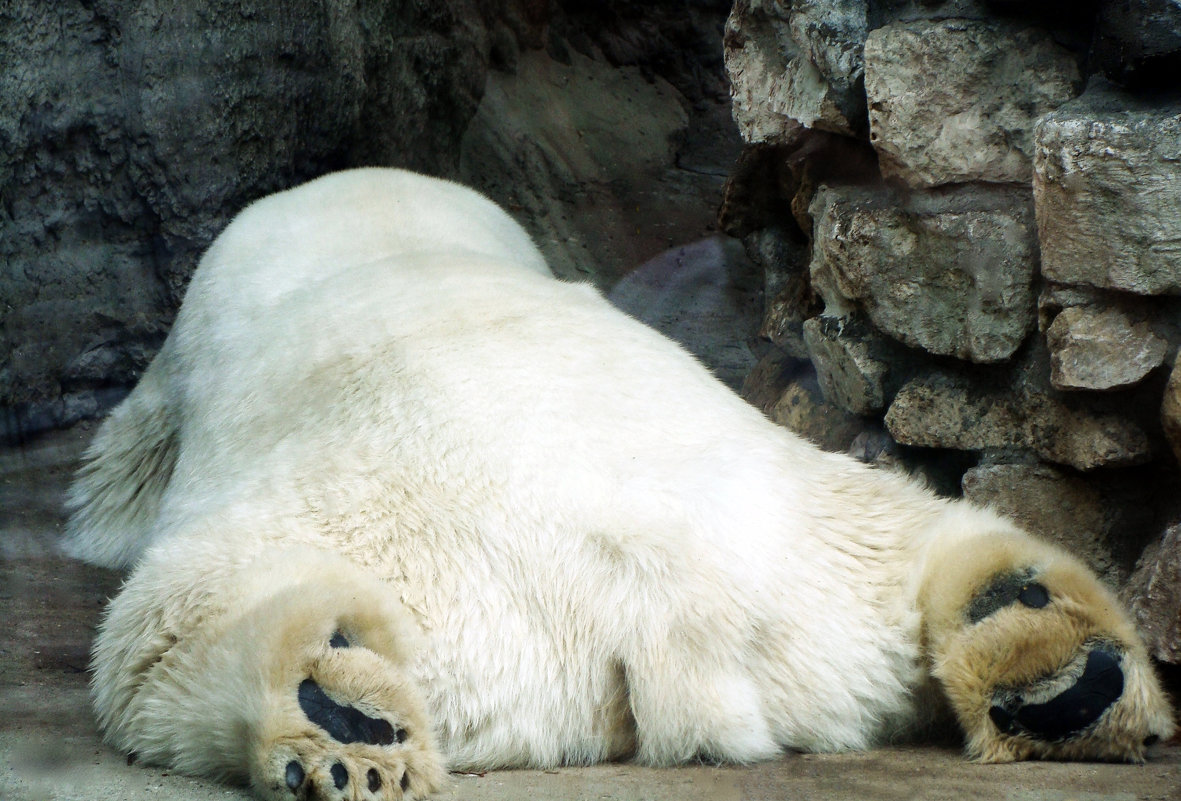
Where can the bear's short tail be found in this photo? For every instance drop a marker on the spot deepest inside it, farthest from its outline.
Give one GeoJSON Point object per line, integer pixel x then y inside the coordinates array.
{"type": "Point", "coordinates": [115, 497]}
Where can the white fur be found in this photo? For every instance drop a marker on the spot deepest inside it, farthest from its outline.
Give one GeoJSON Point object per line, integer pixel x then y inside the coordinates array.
{"type": "Point", "coordinates": [581, 523]}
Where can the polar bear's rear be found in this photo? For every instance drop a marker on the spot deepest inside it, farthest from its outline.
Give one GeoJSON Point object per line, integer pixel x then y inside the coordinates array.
{"type": "Point", "coordinates": [397, 500]}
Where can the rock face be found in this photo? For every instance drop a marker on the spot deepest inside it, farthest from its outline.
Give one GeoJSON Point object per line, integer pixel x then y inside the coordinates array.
{"type": "Point", "coordinates": [952, 273]}
{"type": "Point", "coordinates": [992, 284]}
{"type": "Point", "coordinates": [1154, 594]}
{"type": "Point", "coordinates": [1107, 183]}
{"type": "Point", "coordinates": [131, 133]}
{"type": "Point", "coordinates": [975, 122]}
{"type": "Point", "coordinates": [1101, 348]}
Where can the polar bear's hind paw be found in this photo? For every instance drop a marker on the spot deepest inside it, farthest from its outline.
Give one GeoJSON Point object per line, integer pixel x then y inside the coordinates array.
{"type": "Point", "coordinates": [1038, 659]}
{"type": "Point", "coordinates": [348, 729]}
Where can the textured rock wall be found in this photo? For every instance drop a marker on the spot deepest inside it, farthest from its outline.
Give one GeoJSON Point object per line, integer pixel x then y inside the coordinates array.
{"type": "Point", "coordinates": [969, 218]}
{"type": "Point", "coordinates": [131, 132]}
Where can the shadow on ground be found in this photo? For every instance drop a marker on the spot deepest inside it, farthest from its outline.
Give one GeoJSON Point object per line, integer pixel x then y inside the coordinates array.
{"type": "Point", "coordinates": [49, 748]}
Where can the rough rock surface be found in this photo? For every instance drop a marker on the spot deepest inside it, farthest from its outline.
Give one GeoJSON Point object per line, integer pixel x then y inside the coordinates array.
{"type": "Point", "coordinates": [1154, 594]}
{"type": "Point", "coordinates": [849, 364]}
{"type": "Point", "coordinates": [794, 66]}
{"type": "Point", "coordinates": [974, 121]}
{"type": "Point", "coordinates": [1048, 502]}
{"type": "Point", "coordinates": [951, 272]}
{"type": "Point", "coordinates": [1101, 348]}
{"type": "Point", "coordinates": [1171, 409]}
{"type": "Point", "coordinates": [1107, 184]}
{"type": "Point", "coordinates": [130, 133]}
{"type": "Point", "coordinates": [946, 411]}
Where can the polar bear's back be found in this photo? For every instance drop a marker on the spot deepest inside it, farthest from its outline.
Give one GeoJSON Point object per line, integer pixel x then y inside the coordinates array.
{"type": "Point", "coordinates": [425, 356]}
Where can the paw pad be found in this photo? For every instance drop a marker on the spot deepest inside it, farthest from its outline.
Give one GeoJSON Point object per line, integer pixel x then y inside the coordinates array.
{"type": "Point", "coordinates": [345, 724]}
{"type": "Point", "coordinates": [294, 775]}
{"type": "Point", "coordinates": [1005, 590]}
{"type": "Point", "coordinates": [340, 776]}
{"type": "Point", "coordinates": [1069, 712]}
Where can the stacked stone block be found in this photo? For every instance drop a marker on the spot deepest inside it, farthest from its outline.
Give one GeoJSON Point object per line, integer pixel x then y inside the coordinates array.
{"type": "Point", "coordinates": [989, 294]}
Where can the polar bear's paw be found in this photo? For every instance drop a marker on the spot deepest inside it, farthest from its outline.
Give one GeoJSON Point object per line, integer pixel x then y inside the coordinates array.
{"type": "Point", "coordinates": [1042, 663]}
{"type": "Point", "coordinates": [351, 728]}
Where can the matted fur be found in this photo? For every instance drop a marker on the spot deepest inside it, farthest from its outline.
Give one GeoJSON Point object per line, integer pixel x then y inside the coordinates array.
{"type": "Point", "coordinates": [549, 535]}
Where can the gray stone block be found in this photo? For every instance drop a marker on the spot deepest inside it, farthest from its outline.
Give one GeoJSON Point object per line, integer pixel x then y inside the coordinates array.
{"type": "Point", "coordinates": [1101, 348]}
{"type": "Point", "coordinates": [949, 272]}
{"type": "Point", "coordinates": [1107, 185]}
{"type": "Point", "coordinates": [946, 411]}
{"type": "Point", "coordinates": [956, 100]}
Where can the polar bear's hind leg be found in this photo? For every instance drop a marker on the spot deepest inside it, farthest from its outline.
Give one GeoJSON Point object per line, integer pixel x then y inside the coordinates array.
{"type": "Point", "coordinates": [290, 671]}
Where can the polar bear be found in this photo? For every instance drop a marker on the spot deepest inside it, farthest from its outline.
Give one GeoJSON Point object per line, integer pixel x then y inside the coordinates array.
{"type": "Point", "coordinates": [396, 501]}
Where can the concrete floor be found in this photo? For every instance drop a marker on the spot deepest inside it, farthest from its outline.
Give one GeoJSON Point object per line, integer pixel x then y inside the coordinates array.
{"type": "Point", "coordinates": [49, 748]}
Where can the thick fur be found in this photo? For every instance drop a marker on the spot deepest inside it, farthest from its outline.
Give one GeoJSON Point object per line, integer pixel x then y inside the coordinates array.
{"type": "Point", "coordinates": [546, 533]}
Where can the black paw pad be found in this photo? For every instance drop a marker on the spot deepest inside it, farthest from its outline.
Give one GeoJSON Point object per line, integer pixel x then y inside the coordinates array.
{"type": "Point", "coordinates": [373, 778]}
{"type": "Point", "coordinates": [1007, 589]}
{"type": "Point", "coordinates": [1071, 711]}
{"type": "Point", "coordinates": [294, 775]}
{"type": "Point", "coordinates": [1034, 595]}
{"type": "Point", "coordinates": [339, 640]}
{"type": "Point", "coordinates": [343, 723]}
{"type": "Point", "coordinates": [340, 776]}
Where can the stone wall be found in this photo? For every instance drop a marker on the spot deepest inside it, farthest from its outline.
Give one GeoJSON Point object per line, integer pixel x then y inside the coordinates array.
{"type": "Point", "coordinates": [969, 218]}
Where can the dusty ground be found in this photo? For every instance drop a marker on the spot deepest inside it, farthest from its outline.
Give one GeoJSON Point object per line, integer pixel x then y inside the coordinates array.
{"type": "Point", "coordinates": [49, 749]}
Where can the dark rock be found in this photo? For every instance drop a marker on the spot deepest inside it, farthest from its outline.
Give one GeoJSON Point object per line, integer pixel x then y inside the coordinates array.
{"type": "Point", "coordinates": [130, 133]}
{"type": "Point", "coordinates": [1154, 596]}
{"type": "Point", "coordinates": [1171, 409]}
{"type": "Point", "coordinates": [851, 364]}
{"type": "Point", "coordinates": [1138, 42]}
{"type": "Point", "coordinates": [1062, 508]}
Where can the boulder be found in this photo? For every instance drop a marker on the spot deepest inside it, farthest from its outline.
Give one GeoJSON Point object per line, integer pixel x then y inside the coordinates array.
{"type": "Point", "coordinates": [1154, 596]}
{"type": "Point", "coordinates": [1101, 348]}
{"type": "Point", "coordinates": [944, 410]}
{"type": "Point", "coordinates": [1062, 508]}
{"type": "Point", "coordinates": [949, 272]}
{"type": "Point", "coordinates": [794, 66]}
{"type": "Point", "coordinates": [1107, 187]}
{"type": "Point", "coordinates": [956, 100]}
